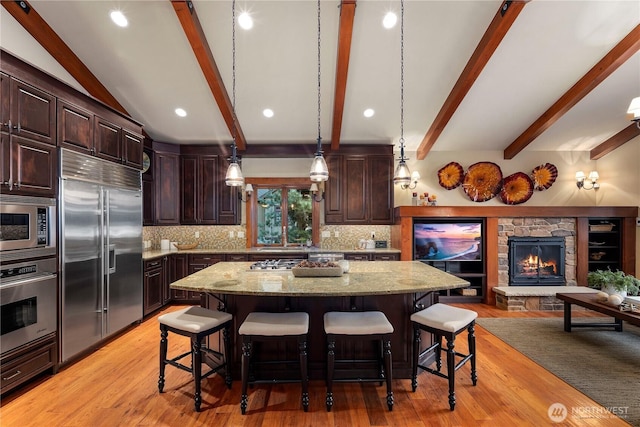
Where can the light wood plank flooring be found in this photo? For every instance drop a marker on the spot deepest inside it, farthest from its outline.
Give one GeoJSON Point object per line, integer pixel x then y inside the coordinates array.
{"type": "Point", "coordinates": [117, 386]}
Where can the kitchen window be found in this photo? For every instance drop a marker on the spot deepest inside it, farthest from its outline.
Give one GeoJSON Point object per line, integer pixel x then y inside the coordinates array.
{"type": "Point", "coordinates": [282, 213]}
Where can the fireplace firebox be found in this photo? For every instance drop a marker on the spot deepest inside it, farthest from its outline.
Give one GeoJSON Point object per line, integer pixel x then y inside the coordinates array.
{"type": "Point", "coordinates": [536, 261]}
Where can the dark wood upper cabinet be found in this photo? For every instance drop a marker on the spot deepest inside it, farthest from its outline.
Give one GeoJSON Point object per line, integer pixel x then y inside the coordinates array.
{"type": "Point", "coordinates": [108, 140]}
{"type": "Point", "coordinates": [28, 156]}
{"type": "Point", "coordinates": [167, 188]}
{"type": "Point", "coordinates": [5, 104]}
{"type": "Point", "coordinates": [206, 199]}
{"type": "Point", "coordinates": [33, 113]}
{"type": "Point", "coordinates": [189, 186]}
{"type": "Point", "coordinates": [75, 128]}
{"type": "Point", "coordinates": [228, 204]}
{"type": "Point", "coordinates": [132, 148]}
{"type": "Point", "coordinates": [5, 153]}
{"type": "Point", "coordinates": [360, 188]}
{"type": "Point", "coordinates": [35, 167]}
{"type": "Point", "coordinates": [356, 208]}
{"type": "Point", "coordinates": [380, 188]}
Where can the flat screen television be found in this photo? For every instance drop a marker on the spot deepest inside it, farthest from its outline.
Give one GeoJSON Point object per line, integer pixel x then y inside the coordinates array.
{"type": "Point", "coordinates": [447, 240]}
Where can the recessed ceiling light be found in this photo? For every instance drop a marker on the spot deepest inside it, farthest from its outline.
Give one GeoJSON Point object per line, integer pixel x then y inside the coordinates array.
{"type": "Point", "coordinates": [267, 112]}
{"type": "Point", "coordinates": [369, 112]}
{"type": "Point", "coordinates": [245, 21]}
{"type": "Point", "coordinates": [181, 112]}
{"type": "Point", "coordinates": [389, 20]}
{"type": "Point", "coordinates": [118, 18]}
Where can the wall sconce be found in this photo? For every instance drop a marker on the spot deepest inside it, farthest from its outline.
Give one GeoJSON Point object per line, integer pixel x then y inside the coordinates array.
{"type": "Point", "coordinates": [592, 178]}
{"type": "Point", "coordinates": [248, 189]}
{"type": "Point", "coordinates": [415, 177]}
{"type": "Point", "coordinates": [315, 190]}
{"type": "Point", "coordinates": [634, 108]}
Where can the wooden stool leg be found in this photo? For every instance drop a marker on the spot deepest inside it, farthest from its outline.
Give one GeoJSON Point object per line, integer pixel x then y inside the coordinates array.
{"type": "Point", "coordinates": [197, 370]}
{"type": "Point", "coordinates": [330, 367]}
{"type": "Point", "coordinates": [246, 355]}
{"type": "Point", "coordinates": [438, 352]}
{"type": "Point", "coordinates": [451, 371]}
{"type": "Point", "coordinates": [163, 356]}
{"type": "Point", "coordinates": [304, 376]}
{"type": "Point", "coordinates": [387, 363]}
{"type": "Point", "coordinates": [227, 355]}
{"type": "Point", "coordinates": [472, 351]}
{"type": "Point", "coordinates": [416, 355]}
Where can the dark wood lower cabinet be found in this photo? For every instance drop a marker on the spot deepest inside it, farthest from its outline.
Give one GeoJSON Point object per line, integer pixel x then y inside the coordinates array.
{"type": "Point", "coordinates": [180, 268]}
{"type": "Point", "coordinates": [22, 364]}
{"type": "Point", "coordinates": [397, 308]}
{"type": "Point", "coordinates": [155, 282]}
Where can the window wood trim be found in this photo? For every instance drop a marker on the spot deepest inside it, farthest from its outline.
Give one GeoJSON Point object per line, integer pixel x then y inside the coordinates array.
{"type": "Point", "coordinates": [295, 182]}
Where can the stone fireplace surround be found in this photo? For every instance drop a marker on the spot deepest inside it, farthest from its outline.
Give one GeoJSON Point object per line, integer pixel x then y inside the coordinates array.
{"type": "Point", "coordinates": [502, 221]}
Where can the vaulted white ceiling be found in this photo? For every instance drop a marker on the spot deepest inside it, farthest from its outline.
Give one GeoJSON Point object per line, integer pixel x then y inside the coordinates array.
{"type": "Point", "coordinates": [151, 69]}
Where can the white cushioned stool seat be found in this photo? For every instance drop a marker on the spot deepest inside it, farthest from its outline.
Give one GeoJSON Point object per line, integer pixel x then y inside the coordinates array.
{"type": "Point", "coordinates": [194, 319]}
{"type": "Point", "coordinates": [357, 323]}
{"type": "Point", "coordinates": [275, 324]}
{"type": "Point", "coordinates": [444, 317]}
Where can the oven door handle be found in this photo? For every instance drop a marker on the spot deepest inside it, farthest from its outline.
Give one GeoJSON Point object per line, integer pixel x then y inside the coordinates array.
{"type": "Point", "coordinates": [47, 276]}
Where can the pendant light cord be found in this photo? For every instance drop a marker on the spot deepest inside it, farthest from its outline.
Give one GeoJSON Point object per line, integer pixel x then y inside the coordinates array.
{"type": "Point", "coordinates": [319, 137]}
{"type": "Point", "coordinates": [233, 73]}
{"type": "Point", "coordinates": [402, 80]}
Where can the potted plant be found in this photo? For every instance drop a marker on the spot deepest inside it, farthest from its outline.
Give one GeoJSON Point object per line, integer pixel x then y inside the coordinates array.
{"type": "Point", "coordinates": [613, 282]}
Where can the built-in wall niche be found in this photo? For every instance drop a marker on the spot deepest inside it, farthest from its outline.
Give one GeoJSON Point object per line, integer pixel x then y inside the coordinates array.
{"type": "Point", "coordinates": [454, 245]}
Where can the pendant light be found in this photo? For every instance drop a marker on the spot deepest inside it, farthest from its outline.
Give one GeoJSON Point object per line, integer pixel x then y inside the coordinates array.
{"type": "Point", "coordinates": [402, 175]}
{"type": "Point", "coordinates": [319, 171]}
{"type": "Point", "coordinates": [234, 177]}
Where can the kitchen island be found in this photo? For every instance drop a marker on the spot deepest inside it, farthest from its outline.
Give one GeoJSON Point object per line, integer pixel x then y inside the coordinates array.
{"type": "Point", "coordinates": [396, 288]}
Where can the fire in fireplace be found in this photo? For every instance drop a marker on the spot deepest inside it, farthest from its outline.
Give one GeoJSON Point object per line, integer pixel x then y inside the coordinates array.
{"type": "Point", "coordinates": [536, 261]}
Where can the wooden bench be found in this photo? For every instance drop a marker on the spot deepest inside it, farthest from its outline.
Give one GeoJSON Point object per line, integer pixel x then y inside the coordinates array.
{"type": "Point", "coordinates": [588, 300]}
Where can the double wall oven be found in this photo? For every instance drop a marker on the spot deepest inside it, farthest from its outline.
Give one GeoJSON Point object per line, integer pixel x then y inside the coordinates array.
{"type": "Point", "coordinates": [28, 270]}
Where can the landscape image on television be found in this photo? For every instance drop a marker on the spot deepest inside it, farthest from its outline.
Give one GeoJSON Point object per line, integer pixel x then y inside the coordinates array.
{"type": "Point", "coordinates": [451, 241]}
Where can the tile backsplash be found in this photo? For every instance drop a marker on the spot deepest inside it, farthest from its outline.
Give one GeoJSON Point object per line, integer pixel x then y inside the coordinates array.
{"type": "Point", "coordinates": [226, 236]}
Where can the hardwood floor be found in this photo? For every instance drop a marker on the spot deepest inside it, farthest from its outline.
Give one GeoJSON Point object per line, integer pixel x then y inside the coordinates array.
{"type": "Point", "coordinates": [117, 386]}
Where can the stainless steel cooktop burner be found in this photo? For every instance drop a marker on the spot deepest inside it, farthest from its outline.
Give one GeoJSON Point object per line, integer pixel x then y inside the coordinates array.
{"type": "Point", "coordinates": [275, 264]}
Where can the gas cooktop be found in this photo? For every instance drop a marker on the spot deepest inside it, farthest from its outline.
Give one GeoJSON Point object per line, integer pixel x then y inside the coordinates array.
{"type": "Point", "coordinates": [275, 264]}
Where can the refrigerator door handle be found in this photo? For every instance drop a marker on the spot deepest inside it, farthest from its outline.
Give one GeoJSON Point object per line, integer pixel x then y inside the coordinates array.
{"type": "Point", "coordinates": [112, 259]}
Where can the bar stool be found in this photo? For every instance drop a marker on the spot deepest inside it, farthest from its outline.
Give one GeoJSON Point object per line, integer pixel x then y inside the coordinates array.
{"type": "Point", "coordinates": [196, 323]}
{"type": "Point", "coordinates": [366, 325]}
{"type": "Point", "coordinates": [259, 326]}
{"type": "Point", "coordinates": [443, 320]}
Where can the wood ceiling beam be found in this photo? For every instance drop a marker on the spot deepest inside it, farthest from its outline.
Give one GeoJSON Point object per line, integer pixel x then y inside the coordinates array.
{"type": "Point", "coordinates": [617, 140]}
{"type": "Point", "coordinates": [188, 18]}
{"type": "Point", "coordinates": [345, 32]}
{"type": "Point", "coordinates": [52, 43]}
{"type": "Point", "coordinates": [617, 56]}
{"type": "Point", "coordinates": [498, 28]}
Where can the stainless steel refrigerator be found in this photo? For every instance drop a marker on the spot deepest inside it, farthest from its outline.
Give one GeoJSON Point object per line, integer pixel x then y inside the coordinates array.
{"type": "Point", "coordinates": [100, 250]}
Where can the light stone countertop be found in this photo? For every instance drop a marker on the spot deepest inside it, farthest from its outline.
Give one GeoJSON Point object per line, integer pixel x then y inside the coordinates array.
{"type": "Point", "coordinates": [363, 278]}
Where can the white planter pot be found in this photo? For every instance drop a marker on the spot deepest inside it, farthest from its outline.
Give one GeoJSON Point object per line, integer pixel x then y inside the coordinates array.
{"type": "Point", "coordinates": [612, 291]}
